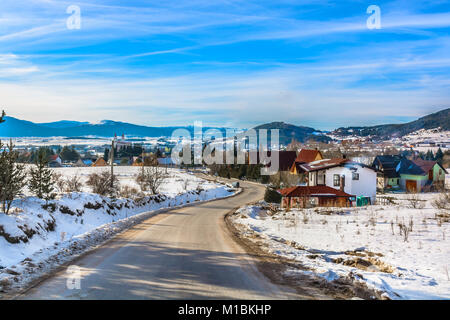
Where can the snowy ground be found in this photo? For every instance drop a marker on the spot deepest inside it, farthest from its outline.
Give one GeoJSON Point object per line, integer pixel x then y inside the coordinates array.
{"type": "Point", "coordinates": [363, 244]}
{"type": "Point", "coordinates": [36, 237]}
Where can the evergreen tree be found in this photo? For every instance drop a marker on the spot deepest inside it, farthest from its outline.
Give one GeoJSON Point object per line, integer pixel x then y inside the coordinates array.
{"type": "Point", "coordinates": [69, 154]}
{"type": "Point", "coordinates": [12, 176]}
{"type": "Point", "coordinates": [272, 196]}
{"type": "Point", "coordinates": [439, 157]}
{"type": "Point", "coordinates": [2, 116]}
{"type": "Point", "coordinates": [429, 155]}
{"type": "Point", "coordinates": [106, 155]}
{"type": "Point", "coordinates": [41, 182]}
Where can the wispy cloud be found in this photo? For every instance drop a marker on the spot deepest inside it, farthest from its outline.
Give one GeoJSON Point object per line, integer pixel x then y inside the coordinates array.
{"type": "Point", "coordinates": [311, 62]}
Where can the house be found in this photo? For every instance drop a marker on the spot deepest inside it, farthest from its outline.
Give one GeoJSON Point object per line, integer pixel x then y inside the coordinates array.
{"type": "Point", "coordinates": [387, 175]}
{"type": "Point", "coordinates": [305, 156]}
{"type": "Point", "coordinates": [285, 159]}
{"type": "Point", "coordinates": [419, 175]}
{"type": "Point", "coordinates": [343, 174]}
{"type": "Point", "coordinates": [83, 163]}
{"type": "Point", "coordinates": [100, 162]}
{"type": "Point", "coordinates": [323, 196]}
{"type": "Point", "coordinates": [55, 158]}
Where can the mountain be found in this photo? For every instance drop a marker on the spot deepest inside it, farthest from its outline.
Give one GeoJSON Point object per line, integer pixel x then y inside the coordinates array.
{"type": "Point", "coordinates": [63, 124]}
{"type": "Point", "coordinates": [13, 127]}
{"type": "Point", "coordinates": [288, 132]}
{"type": "Point", "coordinates": [438, 119]}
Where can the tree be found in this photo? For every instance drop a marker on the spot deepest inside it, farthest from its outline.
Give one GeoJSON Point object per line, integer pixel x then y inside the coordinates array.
{"type": "Point", "coordinates": [2, 116]}
{"type": "Point", "coordinates": [439, 156]}
{"type": "Point", "coordinates": [12, 176]}
{"type": "Point", "coordinates": [103, 183]}
{"type": "Point", "coordinates": [272, 196]}
{"type": "Point", "coordinates": [106, 155]}
{"type": "Point", "coordinates": [69, 154]}
{"type": "Point", "coordinates": [41, 182]}
{"type": "Point", "coordinates": [150, 178]}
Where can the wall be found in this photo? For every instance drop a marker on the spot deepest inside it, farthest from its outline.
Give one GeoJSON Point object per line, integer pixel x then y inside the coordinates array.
{"type": "Point", "coordinates": [365, 186]}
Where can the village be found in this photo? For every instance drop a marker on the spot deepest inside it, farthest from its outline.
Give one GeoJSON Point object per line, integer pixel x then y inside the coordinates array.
{"type": "Point", "coordinates": [342, 213]}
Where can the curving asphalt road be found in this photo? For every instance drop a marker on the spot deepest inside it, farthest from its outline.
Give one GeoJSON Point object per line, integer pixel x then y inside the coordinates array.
{"type": "Point", "coordinates": [185, 253]}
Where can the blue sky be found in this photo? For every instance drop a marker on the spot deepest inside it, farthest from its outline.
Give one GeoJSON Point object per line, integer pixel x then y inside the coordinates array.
{"type": "Point", "coordinates": [225, 62]}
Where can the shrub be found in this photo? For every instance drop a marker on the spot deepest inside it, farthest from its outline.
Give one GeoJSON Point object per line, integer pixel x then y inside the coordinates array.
{"type": "Point", "coordinates": [442, 202]}
{"type": "Point", "coordinates": [150, 179]}
{"type": "Point", "coordinates": [272, 196]}
{"type": "Point", "coordinates": [73, 184]}
{"type": "Point", "coordinates": [103, 183]}
{"type": "Point", "coordinates": [128, 192]}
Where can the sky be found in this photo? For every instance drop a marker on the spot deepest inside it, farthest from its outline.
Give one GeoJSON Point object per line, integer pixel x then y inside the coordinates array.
{"type": "Point", "coordinates": [224, 62]}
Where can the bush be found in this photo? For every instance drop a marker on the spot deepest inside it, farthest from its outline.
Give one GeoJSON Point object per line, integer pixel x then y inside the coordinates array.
{"type": "Point", "coordinates": [103, 183]}
{"type": "Point", "coordinates": [442, 202]}
{"type": "Point", "coordinates": [272, 196]}
{"type": "Point", "coordinates": [128, 192]}
{"type": "Point", "coordinates": [150, 178]}
{"type": "Point", "coordinates": [73, 184]}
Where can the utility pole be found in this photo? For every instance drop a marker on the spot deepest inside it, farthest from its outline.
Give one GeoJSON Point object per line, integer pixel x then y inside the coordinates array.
{"type": "Point", "coordinates": [112, 163]}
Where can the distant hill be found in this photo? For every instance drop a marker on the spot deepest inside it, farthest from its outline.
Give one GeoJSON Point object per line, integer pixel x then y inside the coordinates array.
{"type": "Point", "coordinates": [289, 131]}
{"type": "Point", "coordinates": [63, 124]}
{"type": "Point", "coordinates": [13, 127]}
{"type": "Point", "coordinates": [431, 121]}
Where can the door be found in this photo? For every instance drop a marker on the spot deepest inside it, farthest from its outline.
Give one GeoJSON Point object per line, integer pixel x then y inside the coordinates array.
{"type": "Point", "coordinates": [411, 186]}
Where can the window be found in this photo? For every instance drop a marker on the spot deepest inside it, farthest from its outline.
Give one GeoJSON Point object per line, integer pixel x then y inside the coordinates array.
{"type": "Point", "coordinates": [336, 180]}
{"type": "Point", "coordinates": [321, 178]}
{"type": "Point", "coordinates": [355, 176]}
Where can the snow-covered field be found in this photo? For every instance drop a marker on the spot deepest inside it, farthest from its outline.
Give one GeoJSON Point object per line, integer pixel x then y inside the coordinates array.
{"type": "Point", "coordinates": [35, 236]}
{"type": "Point", "coordinates": [364, 244]}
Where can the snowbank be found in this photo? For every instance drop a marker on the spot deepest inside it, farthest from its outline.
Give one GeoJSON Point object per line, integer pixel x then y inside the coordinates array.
{"type": "Point", "coordinates": [37, 236]}
{"type": "Point", "coordinates": [363, 244]}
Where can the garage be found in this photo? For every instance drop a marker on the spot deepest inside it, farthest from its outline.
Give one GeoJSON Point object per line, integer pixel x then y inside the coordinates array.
{"type": "Point", "coordinates": [411, 186]}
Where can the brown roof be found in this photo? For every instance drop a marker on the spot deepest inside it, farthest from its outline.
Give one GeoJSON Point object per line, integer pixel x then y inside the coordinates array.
{"type": "Point", "coordinates": [307, 155]}
{"type": "Point", "coordinates": [425, 165]}
{"type": "Point", "coordinates": [315, 191]}
{"type": "Point", "coordinates": [286, 158]}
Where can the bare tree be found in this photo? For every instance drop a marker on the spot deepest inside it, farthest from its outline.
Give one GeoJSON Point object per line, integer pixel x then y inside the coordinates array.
{"type": "Point", "coordinates": [74, 184]}
{"type": "Point", "coordinates": [150, 178]}
{"type": "Point", "coordinates": [103, 183]}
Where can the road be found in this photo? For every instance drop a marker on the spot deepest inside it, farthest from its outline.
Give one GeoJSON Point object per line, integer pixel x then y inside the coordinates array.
{"type": "Point", "coordinates": [185, 253]}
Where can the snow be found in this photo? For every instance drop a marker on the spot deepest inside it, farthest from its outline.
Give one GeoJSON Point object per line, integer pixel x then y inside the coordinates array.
{"type": "Point", "coordinates": [326, 240]}
{"type": "Point", "coordinates": [44, 237]}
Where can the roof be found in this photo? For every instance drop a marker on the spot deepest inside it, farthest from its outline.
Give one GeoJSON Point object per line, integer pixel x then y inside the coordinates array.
{"type": "Point", "coordinates": [322, 164]}
{"type": "Point", "coordinates": [417, 166]}
{"type": "Point", "coordinates": [286, 158]}
{"type": "Point", "coordinates": [307, 155]}
{"type": "Point", "coordinates": [100, 162]}
{"type": "Point", "coordinates": [387, 164]}
{"type": "Point", "coordinates": [314, 191]}
{"type": "Point", "coordinates": [54, 157]}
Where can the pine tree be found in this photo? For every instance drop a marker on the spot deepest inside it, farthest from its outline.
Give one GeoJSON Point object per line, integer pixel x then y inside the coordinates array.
{"type": "Point", "coordinates": [439, 156]}
{"type": "Point", "coordinates": [2, 116]}
{"type": "Point", "coordinates": [12, 176]}
{"type": "Point", "coordinates": [41, 182]}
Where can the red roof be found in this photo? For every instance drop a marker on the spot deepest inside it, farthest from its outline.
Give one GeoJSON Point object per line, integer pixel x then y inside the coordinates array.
{"type": "Point", "coordinates": [53, 157]}
{"type": "Point", "coordinates": [315, 191]}
{"type": "Point", "coordinates": [307, 155]}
